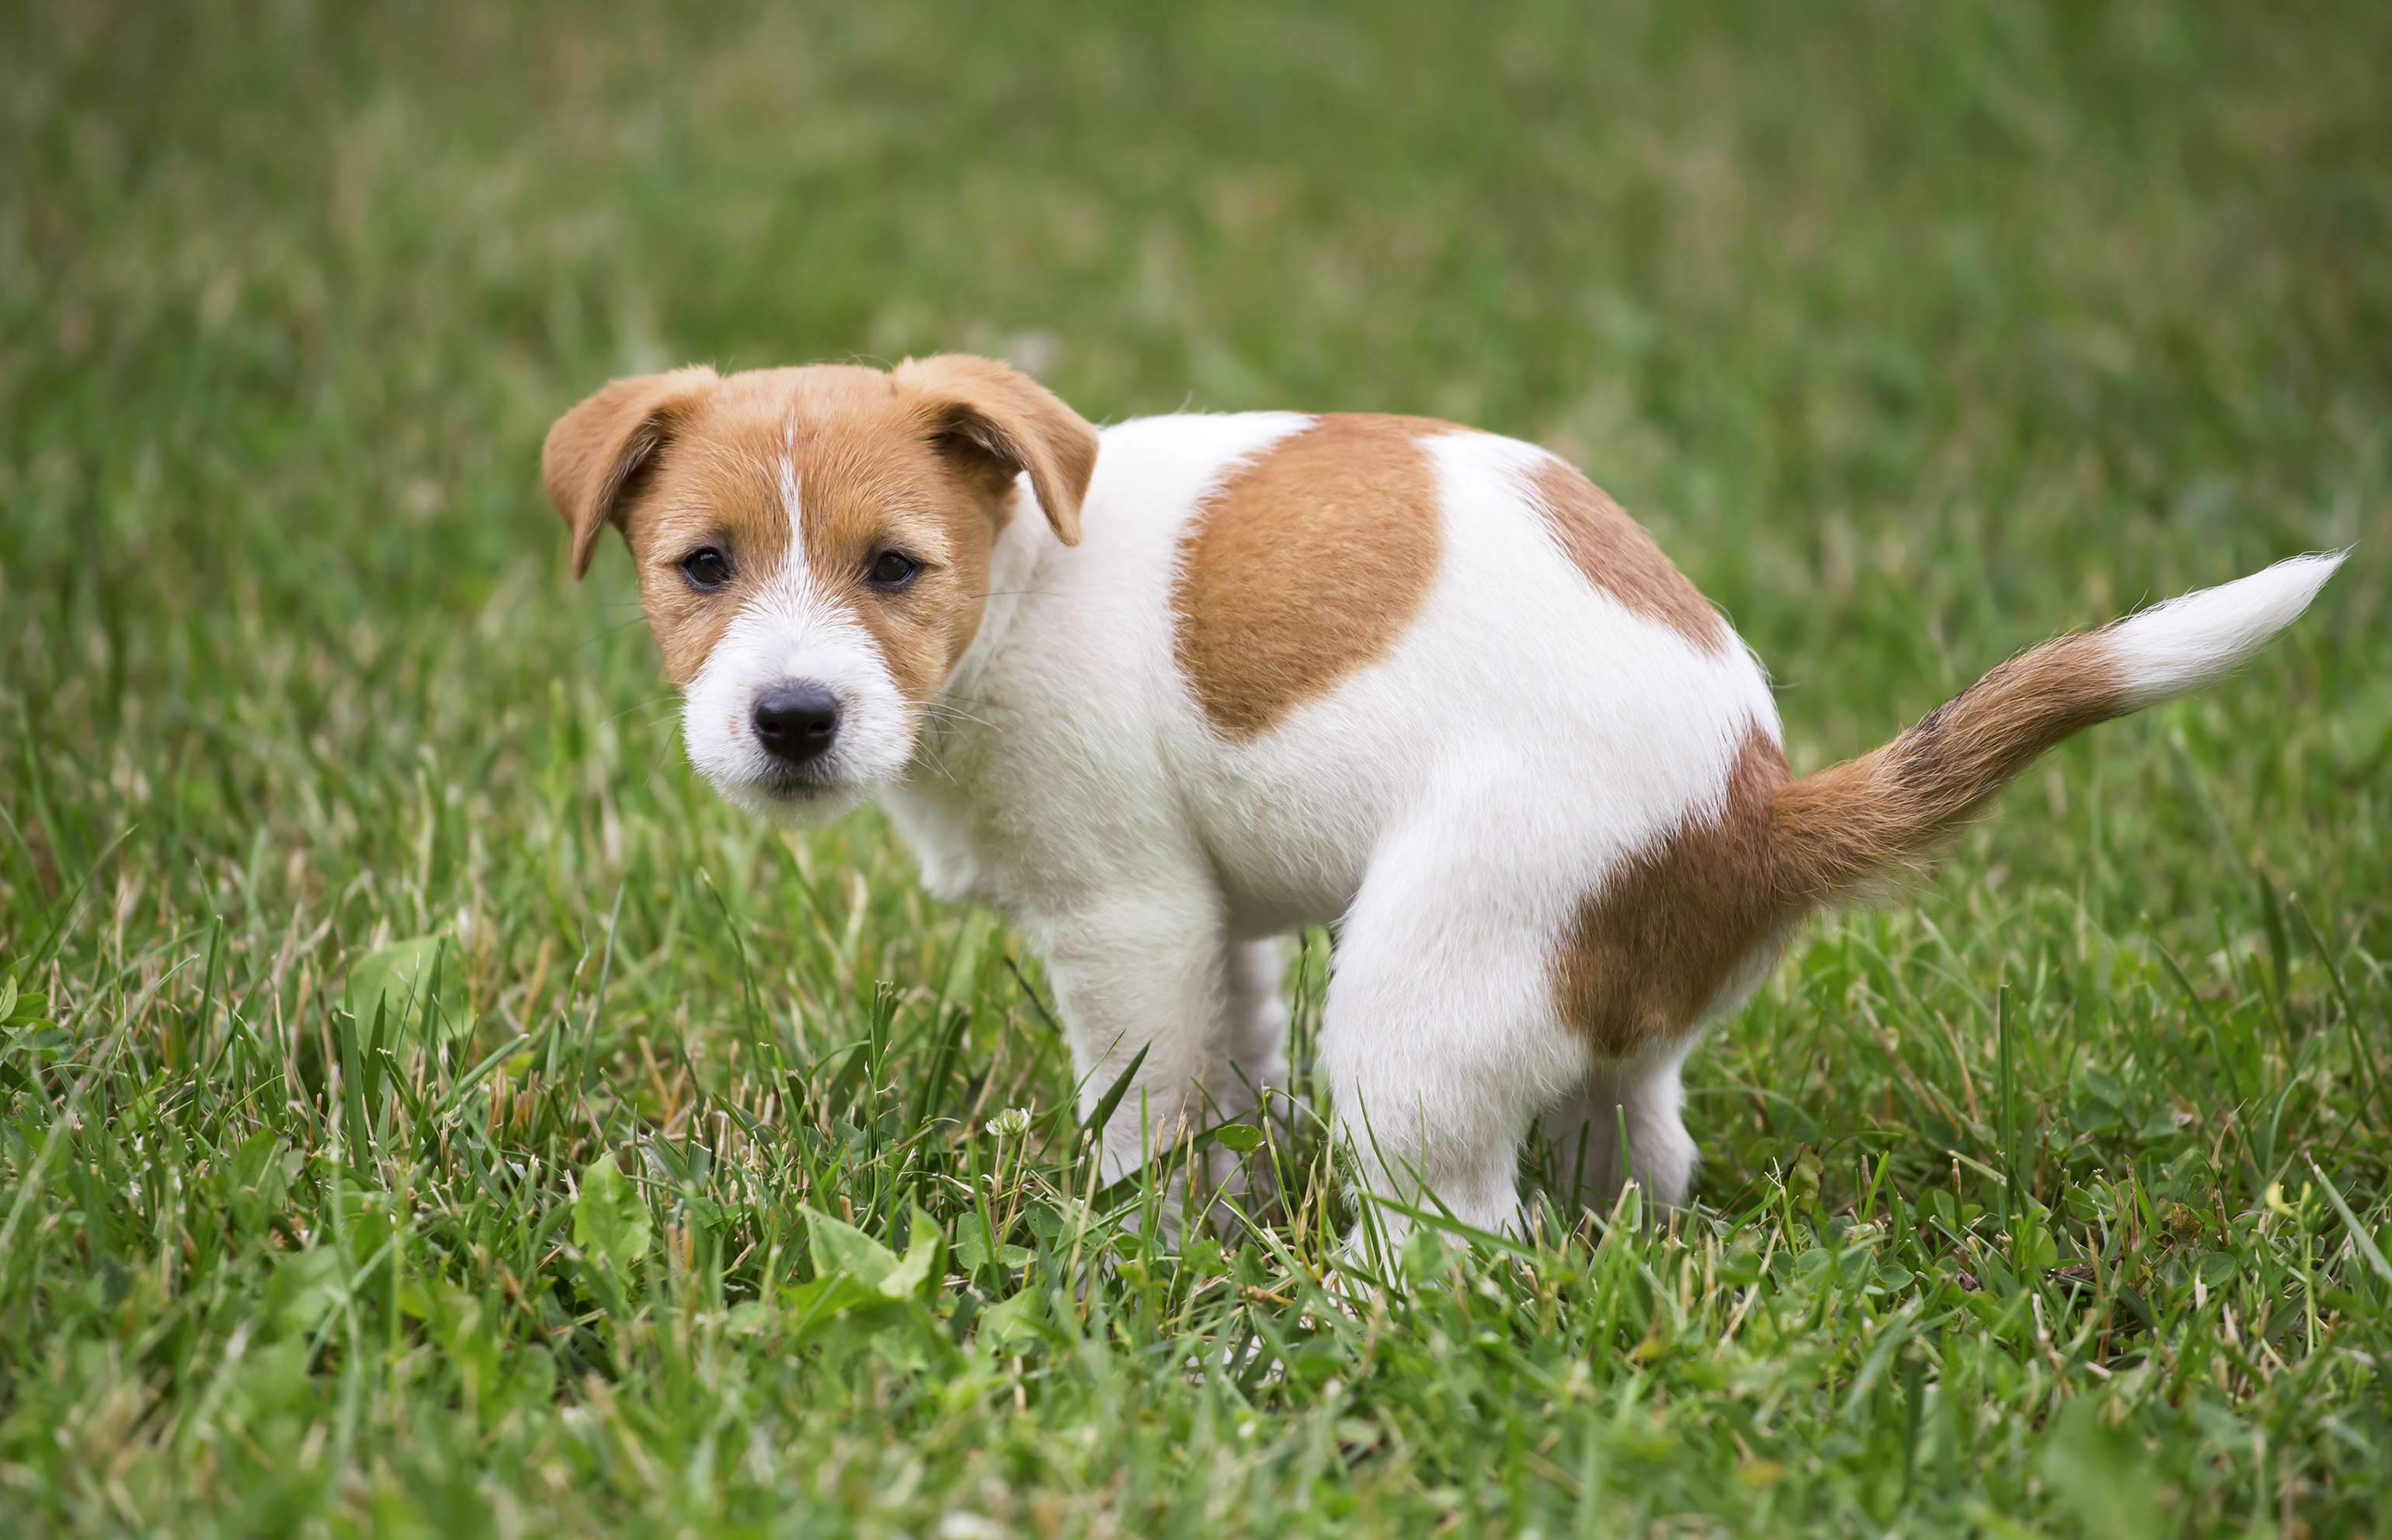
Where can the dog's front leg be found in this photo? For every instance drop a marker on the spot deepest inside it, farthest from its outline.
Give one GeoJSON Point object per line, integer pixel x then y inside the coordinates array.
{"type": "Point", "coordinates": [1144, 972]}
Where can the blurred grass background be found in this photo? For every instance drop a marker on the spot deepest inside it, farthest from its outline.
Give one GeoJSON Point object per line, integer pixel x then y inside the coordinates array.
{"type": "Point", "coordinates": [1916, 333]}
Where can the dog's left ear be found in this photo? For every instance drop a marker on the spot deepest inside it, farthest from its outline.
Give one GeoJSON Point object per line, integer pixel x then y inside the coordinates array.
{"type": "Point", "coordinates": [596, 453]}
{"type": "Point", "coordinates": [998, 423]}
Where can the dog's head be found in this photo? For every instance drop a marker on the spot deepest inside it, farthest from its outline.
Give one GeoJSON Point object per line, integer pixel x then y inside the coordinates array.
{"type": "Point", "coordinates": [812, 547]}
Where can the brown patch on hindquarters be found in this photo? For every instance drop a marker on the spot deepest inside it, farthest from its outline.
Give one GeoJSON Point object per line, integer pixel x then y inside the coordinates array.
{"type": "Point", "coordinates": [1618, 557]}
{"type": "Point", "coordinates": [1645, 953]}
{"type": "Point", "coordinates": [1649, 952]}
{"type": "Point", "coordinates": [1305, 565]}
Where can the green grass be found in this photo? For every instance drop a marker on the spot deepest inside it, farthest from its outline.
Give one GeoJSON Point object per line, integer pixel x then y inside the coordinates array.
{"type": "Point", "coordinates": [1917, 333]}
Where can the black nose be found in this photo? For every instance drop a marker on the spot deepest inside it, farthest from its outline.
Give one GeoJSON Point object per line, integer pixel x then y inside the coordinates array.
{"type": "Point", "coordinates": [796, 723]}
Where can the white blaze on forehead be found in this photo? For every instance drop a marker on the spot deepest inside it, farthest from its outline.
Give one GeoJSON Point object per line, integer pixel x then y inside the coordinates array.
{"type": "Point", "coordinates": [788, 478]}
{"type": "Point", "coordinates": [799, 614]}
{"type": "Point", "coordinates": [795, 560]}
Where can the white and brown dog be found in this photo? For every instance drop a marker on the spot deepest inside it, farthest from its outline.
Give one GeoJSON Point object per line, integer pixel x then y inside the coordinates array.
{"type": "Point", "coordinates": [1163, 694]}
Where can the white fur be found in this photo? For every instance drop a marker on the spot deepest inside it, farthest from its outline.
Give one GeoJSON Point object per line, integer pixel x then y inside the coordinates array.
{"type": "Point", "coordinates": [790, 632]}
{"type": "Point", "coordinates": [2171, 648]}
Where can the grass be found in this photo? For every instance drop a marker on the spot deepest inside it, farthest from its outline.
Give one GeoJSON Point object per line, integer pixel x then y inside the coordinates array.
{"type": "Point", "coordinates": [2053, 1198]}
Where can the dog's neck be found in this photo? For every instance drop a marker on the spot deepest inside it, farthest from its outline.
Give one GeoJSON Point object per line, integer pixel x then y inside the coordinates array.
{"type": "Point", "coordinates": [934, 802]}
{"type": "Point", "coordinates": [1013, 562]}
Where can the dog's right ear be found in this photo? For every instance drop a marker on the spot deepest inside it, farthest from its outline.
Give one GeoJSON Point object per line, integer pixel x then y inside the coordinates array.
{"type": "Point", "coordinates": [599, 450]}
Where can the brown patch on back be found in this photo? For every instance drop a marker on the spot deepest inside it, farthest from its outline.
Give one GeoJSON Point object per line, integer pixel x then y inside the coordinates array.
{"type": "Point", "coordinates": [1645, 955]}
{"type": "Point", "coordinates": [1618, 557]}
{"type": "Point", "coordinates": [1305, 565]}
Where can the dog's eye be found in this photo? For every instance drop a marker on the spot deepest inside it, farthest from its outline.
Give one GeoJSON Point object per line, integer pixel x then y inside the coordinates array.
{"type": "Point", "coordinates": [706, 568]}
{"type": "Point", "coordinates": [892, 570]}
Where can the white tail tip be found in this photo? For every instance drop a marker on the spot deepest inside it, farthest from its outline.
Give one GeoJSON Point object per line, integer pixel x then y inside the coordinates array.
{"type": "Point", "coordinates": [2171, 648]}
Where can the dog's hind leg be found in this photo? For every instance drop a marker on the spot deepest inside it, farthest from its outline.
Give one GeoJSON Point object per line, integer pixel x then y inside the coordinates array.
{"type": "Point", "coordinates": [1622, 1121]}
{"type": "Point", "coordinates": [1252, 1057]}
{"type": "Point", "coordinates": [1249, 1075]}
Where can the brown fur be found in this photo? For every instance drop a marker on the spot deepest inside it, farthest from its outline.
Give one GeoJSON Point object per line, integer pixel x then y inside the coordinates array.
{"type": "Point", "coordinates": [923, 459]}
{"type": "Point", "coordinates": [1305, 565]}
{"type": "Point", "coordinates": [598, 452]}
{"type": "Point", "coordinates": [1618, 557]}
{"type": "Point", "coordinates": [1646, 955]}
{"type": "Point", "coordinates": [1836, 830]}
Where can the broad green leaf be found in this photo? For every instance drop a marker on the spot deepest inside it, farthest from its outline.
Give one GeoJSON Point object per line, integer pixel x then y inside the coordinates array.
{"type": "Point", "coordinates": [610, 1217]}
{"type": "Point", "coordinates": [922, 1249]}
{"type": "Point", "coordinates": [841, 1308]}
{"type": "Point", "coordinates": [305, 1286]}
{"type": "Point", "coordinates": [1013, 1323]}
{"type": "Point", "coordinates": [842, 1248]}
{"type": "Point", "coordinates": [2033, 1249]}
{"type": "Point", "coordinates": [1245, 1138]}
{"type": "Point", "coordinates": [397, 975]}
{"type": "Point", "coordinates": [809, 1304]}
{"type": "Point", "coordinates": [20, 1009]}
{"type": "Point", "coordinates": [972, 1248]}
{"type": "Point", "coordinates": [2103, 1474]}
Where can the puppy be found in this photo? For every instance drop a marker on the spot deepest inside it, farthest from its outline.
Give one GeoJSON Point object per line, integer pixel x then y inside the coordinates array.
{"type": "Point", "coordinates": [1162, 693]}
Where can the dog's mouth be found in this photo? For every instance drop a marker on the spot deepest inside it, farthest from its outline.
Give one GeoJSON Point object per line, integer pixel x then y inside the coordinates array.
{"type": "Point", "coordinates": [796, 787]}
{"type": "Point", "coordinates": [792, 794]}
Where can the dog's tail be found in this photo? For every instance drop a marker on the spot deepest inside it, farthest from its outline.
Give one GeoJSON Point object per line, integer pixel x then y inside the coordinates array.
{"type": "Point", "coordinates": [1832, 833]}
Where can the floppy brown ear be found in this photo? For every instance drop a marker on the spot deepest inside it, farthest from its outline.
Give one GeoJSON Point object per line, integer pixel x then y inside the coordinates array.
{"type": "Point", "coordinates": [596, 450]}
{"type": "Point", "coordinates": [997, 419]}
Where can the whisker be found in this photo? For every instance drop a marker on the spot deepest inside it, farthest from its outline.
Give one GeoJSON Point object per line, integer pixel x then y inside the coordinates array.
{"type": "Point", "coordinates": [949, 714]}
{"type": "Point", "coordinates": [940, 765]}
{"type": "Point", "coordinates": [596, 637]}
{"type": "Point", "coordinates": [643, 705]}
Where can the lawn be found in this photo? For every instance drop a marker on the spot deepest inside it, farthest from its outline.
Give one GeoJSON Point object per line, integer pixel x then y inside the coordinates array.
{"type": "Point", "coordinates": [678, 1191]}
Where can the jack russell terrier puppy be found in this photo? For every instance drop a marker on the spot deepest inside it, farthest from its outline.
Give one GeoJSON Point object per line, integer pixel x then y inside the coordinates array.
{"type": "Point", "coordinates": [1165, 692]}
